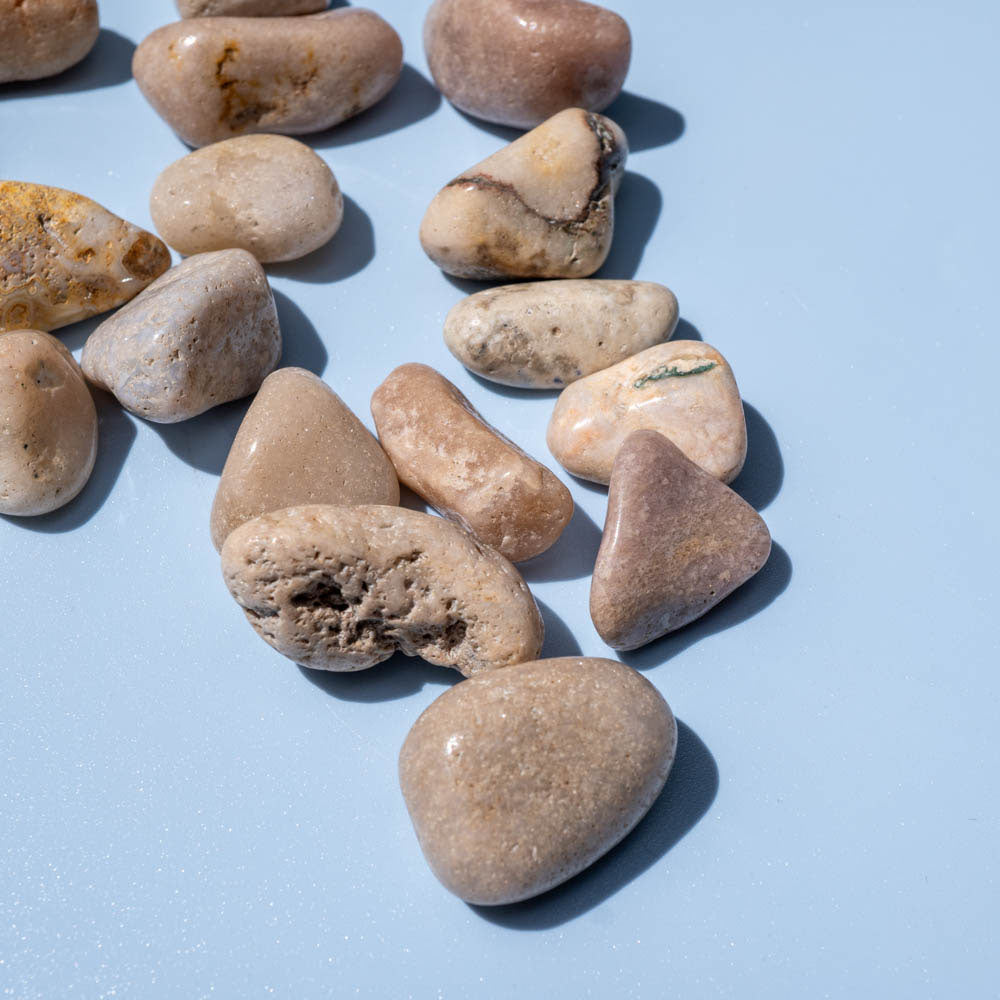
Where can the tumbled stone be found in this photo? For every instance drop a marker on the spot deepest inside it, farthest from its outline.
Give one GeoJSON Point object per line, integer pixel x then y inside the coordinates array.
{"type": "Point", "coordinates": [48, 424]}
{"type": "Point", "coordinates": [299, 443]}
{"type": "Point", "coordinates": [542, 207]}
{"type": "Point", "coordinates": [343, 588]}
{"type": "Point", "coordinates": [676, 542]}
{"type": "Point", "coordinates": [519, 779]}
{"type": "Point", "coordinates": [518, 62]}
{"type": "Point", "coordinates": [63, 257]}
{"type": "Point", "coordinates": [203, 334]}
{"type": "Point", "coordinates": [684, 389]}
{"type": "Point", "coordinates": [445, 452]}
{"type": "Point", "coordinates": [217, 77]}
{"type": "Point", "coordinates": [45, 37]}
{"type": "Point", "coordinates": [546, 334]}
{"type": "Point", "coordinates": [249, 8]}
{"type": "Point", "coordinates": [267, 194]}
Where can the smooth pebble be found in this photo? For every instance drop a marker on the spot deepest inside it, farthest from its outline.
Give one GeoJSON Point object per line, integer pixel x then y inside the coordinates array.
{"type": "Point", "coordinates": [249, 8]}
{"type": "Point", "coordinates": [45, 37]}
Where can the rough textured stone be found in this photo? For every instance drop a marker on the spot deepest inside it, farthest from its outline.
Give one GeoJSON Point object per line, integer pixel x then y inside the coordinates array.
{"type": "Point", "coordinates": [342, 588]}
{"type": "Point", "coordinates": [516, 780]}
{"type": "Point", "coordinates": [685, 389]}
{"type": "Point", "coordinates": [63, 257]}
{"type": "Point", "coordinates": [444, 451]}
{"type": "Point", "coordinates": [44, 37]}
{"type": "Point", "coordinates": [542, 207]}
{"type": "Point", "coordinates": [676, 542]}
{"type": "Point", "coordinates": [217, 77]}
{"type": "Point", "coordinates": [299, 444]}
{"type": "Point", "coordinates": [518, 62]}
{"type": "Point", "coordinates": [203, 334]}
{"type": "Point", "coordinates": [546, 334]}
{"type": "Point", "coordinates": [267, 194]}
{"type": "Point", "coordinates": [48, 424]}
{"type": "Point", "coordinates": [249, 8]}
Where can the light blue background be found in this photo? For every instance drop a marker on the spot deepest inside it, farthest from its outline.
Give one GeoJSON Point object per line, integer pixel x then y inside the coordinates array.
{"type": "Point", "coordinates": [186, 814]}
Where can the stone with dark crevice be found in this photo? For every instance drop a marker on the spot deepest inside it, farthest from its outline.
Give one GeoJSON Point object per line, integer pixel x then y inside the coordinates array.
{"type": "Point", "coordinates": [542, 207]}
{"type": "Point", "coordinates": [676, 542]}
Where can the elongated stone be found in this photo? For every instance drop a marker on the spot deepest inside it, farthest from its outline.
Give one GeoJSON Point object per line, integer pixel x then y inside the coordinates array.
{"type": "Point", "coordinates": [676, 542]}
{"type": "Point", "coordinates": [518, 62]}
{"type": "Point", "coordinates": [249, 8]}
{"type": "Point", "coordinates": [63, 257]}
{"type": "Point", "coordinates": [343, 588]}
{"type": "Point", "coordinates": [218, 77]}
{"type": "Point", "coordinates": [203, 334]}
{"type": "Point", "coordinates": [542, 207]}
{"type": "Point", "coordinates": [546, 334]}
{"type": "Point", "coordinates": [43, 37]}
{"type": "Point", "coordinates": [684, 389]}
{"type": "Point", "coordinates": [518, 779]}
{"type": "Point", "coordinates": [299, 444]}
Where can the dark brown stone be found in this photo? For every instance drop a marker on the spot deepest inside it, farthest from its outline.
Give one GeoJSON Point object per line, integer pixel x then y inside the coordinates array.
{"type": "Point", "coordinates": [676, 542]}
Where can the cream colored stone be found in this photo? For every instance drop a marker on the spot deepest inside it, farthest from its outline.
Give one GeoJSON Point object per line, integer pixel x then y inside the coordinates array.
{"type": "Point", "coordinates": [40, 38]}
{"type": "Point", "coordinates": [542, 207]}
{"type": "Point", "coordinates": [518, 62]}
{"type": "Point", "coordinates": [518, 779]}
{"type": "Point", "coordinates": [267, 194]}
{"type": "Point", "coordinates": [445, 452]}
{"type": "Point", "coordinates": [249, 8]}
{"type": "Point", "coordinates": [684, 389]}
{"type": "Point", "coordinates": [343, 588]}
{"type": "Point", "coordinates": [48, 424]}
{"type": "Point", "coordinates": [217, 77]}
{"type": "Point", "coordinates": [63, 257]}
{"type": "Point", "coordinates": [203, 334]}
{"type": "Point", "coordinates": [299, 444]}
{"type": "Point", "coordinates": [546, 334]}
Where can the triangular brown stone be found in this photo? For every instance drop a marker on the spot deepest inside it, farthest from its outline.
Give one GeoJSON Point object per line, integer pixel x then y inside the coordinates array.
{"type": "Point", "coordinates": [676, 542]}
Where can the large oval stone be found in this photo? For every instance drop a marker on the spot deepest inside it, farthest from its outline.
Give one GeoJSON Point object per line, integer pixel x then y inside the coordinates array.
{"type": "Point", "coordinates": [43, 37]}
{"type": "Point", "coordinates": [519, 779]}
{"type": "Point", "coordinates": [542, 207]}
{"type": "Point", "coordinates": [63, 257]}
{"type": "Point", "coordinates": [518, 62]}
{"type": "Point", "coordinates": [217, 77]}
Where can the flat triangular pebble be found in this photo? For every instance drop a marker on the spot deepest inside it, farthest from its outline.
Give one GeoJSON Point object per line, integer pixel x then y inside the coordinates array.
{"type": "Point", "coordinates": [676, 542]}
{"type": "Point", "coordinates": [542, 207]}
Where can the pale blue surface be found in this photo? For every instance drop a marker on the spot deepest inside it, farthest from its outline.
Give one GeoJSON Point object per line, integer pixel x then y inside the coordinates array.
{"type": "Point", "coordinates": [186, 814]}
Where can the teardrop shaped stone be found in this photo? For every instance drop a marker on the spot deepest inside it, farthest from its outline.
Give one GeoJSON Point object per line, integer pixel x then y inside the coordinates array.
{"type": "Point", "coordinates": [676, 542]}
{"type": "Point", "coordinates": [542, 207]}
{"type": "Point", "coordinates": [63, 257]}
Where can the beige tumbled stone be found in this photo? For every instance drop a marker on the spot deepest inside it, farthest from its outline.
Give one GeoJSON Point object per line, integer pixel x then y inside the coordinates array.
{"type": "Point", "coordinates": [203, 334]}
{"type": "Point", "coordinates": [542, 207]}
{"type": "Point", "coordinates": [343, 588]}
{"type": "Point", "coordinates": [299, 443]}
{"type": "Point", "coordinates": [48, 424]}
{"type": "Point", "coordinates": [518, 62]}
{"type": "Point", "coordinates": [217, 77]}
{"type": "Point", "coordinates": [268, 194]}
{"type": "Point", "coordinates": [249, 8]}
{"type": "Point", "coordinates": [63, 257]}
{"type": "Point", "coordinates": [517, 780]}
{"type": "Point", "coordinates": [684, 389]}
{"type": "Point", "coordinates": [40, 38]}
{"type": "Point", "coordinates": [447, 453]}
{"type": "Point", "coordinates": [546, 334]}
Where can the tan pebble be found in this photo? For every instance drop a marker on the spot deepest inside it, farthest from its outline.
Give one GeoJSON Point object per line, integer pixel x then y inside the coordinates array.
{"type": "Point", "coordinates": [343, 588]}
{"type": "Point", "coordinates": [249, 8]}
{"type": "Point", "coordinates": [684, 389]}
{"type": "Point", "coordinates": [63, 257]}
{"type": "Point", "coordinates": [203, 334]}
{"type": "Point", "coordinates": [546, 334]}
{"type": "Point", "coordinates": [43, 37]}
{"type": "Point", "coordinates": [542, 207]}
{"type": "Point", "coordinates": [299, 444]}
{"type": "Point", "coordinates": [445, 452]}
{"type": "Point", "coordinates": [267, 194]}
{"type": "Point", "coordinates": [519, 779]}
{"type": "Point", "coordinates": [48, 424]}
{"type": "Point", "coordinates": [218, 77]}
{"type": "Point", "coordinates": [518, 62]}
